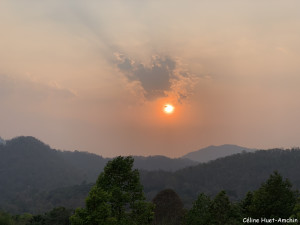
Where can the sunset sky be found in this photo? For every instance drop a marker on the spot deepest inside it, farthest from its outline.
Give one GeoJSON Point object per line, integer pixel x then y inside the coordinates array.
{"type": "Point", "coordinates": [96, 75]}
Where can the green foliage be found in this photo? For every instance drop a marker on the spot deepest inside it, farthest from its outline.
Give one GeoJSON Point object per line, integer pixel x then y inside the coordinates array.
{"type": "Point", "coordinates": [168, 208]}
{"type": "Point", "coordinates": [213, 212]}
{"type": "Point", "coordinates": [5, 219]}
{"type": "Point", "coordinates": [274, 199]}
{"type": "Point", "coordinates": [246, 203]}
{"type": "Point", "coordinates": [200, 213]}
{"type": "Point", "coordinates": [57, 216]}
{"type": "Point", "coordinates": [223, 212]}
{"type": "Point", "coordinates": [117, 198]}
{"type": "Point", "coordinates": [97, 211]}
{"type": "Point", "coordinates": [23, 219]}
{"type": "Point", "coordinates": [296, 210]}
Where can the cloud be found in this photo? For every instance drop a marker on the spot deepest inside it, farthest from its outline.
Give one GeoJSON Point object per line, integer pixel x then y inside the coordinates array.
{"type": "Point", "coordinates": [26, 88]}
{"type": "Point", "coordinates": [163, 77]}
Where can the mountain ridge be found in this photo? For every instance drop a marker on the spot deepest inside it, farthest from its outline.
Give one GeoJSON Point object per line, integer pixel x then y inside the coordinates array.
{"type": "Point", "coordinates": [214, 152]}
{"type": "Point", "coordinates": [35, 178]}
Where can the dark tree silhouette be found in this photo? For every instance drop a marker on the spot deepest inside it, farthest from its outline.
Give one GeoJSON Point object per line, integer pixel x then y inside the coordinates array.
{"type": "Point", "coordinates": [200, 213]}
{"type": "Point", "coordinates": [274, 199]}
{"type": "Point", "coordinates": [168, 208]}
{"type": "Point", "coordinates": [117, 198]}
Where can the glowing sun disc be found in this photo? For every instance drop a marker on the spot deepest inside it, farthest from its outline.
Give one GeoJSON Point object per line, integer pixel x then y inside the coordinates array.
{"type": "Point", "coordinates": [168, 108]}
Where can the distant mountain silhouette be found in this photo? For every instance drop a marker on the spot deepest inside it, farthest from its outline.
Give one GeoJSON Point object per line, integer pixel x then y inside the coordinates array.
{"type": "Point", "coordinates": [214, 152]}
{"type": "Point", "coordinates": [236, 174]}
{"type": "Point", "coordinates": [28, 167]}
{"type": "Point", "coordinates": [35, 178]}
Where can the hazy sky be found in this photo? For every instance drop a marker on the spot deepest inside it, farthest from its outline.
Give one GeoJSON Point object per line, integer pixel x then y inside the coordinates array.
{"type": "Point", "coordinates": [95, 75]}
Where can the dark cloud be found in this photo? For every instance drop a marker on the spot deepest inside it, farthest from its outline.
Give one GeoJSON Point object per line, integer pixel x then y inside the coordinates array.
{"type": "Point", "coordinates": [155, 79]}
{"type": "Point", "coordinates": [162, 78]}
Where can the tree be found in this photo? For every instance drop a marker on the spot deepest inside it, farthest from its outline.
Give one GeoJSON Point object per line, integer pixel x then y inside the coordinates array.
{"type": "Point", "coordinates": [274, 199]}
{"type": "Point", "coordinates": [5, 219]}
{"type": "Point", "coordinates": [214, 212]}
{"type": "Point", "coordinates": [168, 208]}
{"type": "Point", "coordinates": [23, 219]}
{"type": "Point", "coordinates": [246, 204]}
{"type": "Point", "coordinates": [199, 214]}
{"type": "Point", "coordinates": [223, 212]}
{"type": "Point", "coordinates": [57, 216]}
{"type": "Point", "coordinates": [117, 198]}
{"type": "Point", "coordinates": [37, 220]}
{"type": "Point", "coordinates": [296, 211]}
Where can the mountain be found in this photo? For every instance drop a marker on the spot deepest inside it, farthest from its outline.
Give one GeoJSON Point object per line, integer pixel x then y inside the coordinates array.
{"type": "Point", "coordinates": [28, 167]}
{"type": "Point", "coordinates": [214, 152]}
{"type": "Point", "coordinates": [236, 174]}
{"type": "Point", "coordinates": [35, 178]}
{"type": "Point", "coordinates": [30, 170]}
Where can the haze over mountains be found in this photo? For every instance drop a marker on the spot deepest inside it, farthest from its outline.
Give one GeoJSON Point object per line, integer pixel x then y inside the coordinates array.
{"type": "Point", "coordinates": [35, 178]}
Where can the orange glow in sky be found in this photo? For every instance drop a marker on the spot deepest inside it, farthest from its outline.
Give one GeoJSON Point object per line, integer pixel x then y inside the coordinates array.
{"type": "Point", "coordinates": [160, 88]}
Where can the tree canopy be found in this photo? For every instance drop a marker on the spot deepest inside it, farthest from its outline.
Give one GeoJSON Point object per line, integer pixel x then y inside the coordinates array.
{"type": "Point", "coordinates": [274, 199]}
{"type": "Point", "coordinates": [213, 212]}
{"type": "Point", "coordinates": [200, 213]}
{"type": "Point", "coordinates": [117, 198]}
{"type": "Point", "coordinates": [168, 208]}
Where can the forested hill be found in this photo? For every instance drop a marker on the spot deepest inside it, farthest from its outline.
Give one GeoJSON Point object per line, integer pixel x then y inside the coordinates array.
{"type": "Point", "coordinates": [27, 161]}
{"type": "Point", "coordinates": [35, 178]}
{"type": "Point", "coordinates": [29, 167]}
{"type": "Point", "coordinates": [236, 174]}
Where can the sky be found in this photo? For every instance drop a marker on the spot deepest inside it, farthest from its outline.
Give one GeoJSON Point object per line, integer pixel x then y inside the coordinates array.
{"type": "Point", "coordinates": [95, 75]}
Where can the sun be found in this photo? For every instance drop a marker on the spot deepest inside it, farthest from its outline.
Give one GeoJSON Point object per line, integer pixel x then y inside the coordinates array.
{"type": "Point", "coordinates": [168, 109]}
